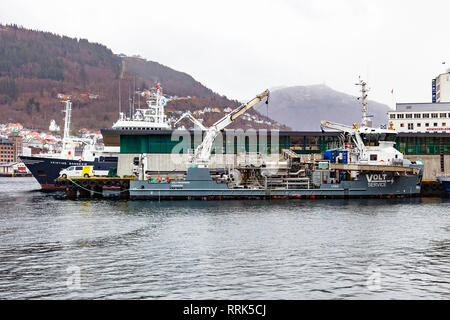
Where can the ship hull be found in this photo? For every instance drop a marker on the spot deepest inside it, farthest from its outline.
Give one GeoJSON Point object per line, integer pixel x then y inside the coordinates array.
{"type": "Point", "coordinates": [446, 185]}
{"type": "Point", "coordinates": [445, 181]}
{"type": "Point", "coordinates": [365, 187]}
{"type": "Point", "coordinates": [46, 170]}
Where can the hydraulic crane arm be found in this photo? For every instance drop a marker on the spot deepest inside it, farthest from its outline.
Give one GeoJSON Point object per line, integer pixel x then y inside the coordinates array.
{"type": "Point", "coordinates": [236, 113]}
{"type": "Point", "coordinates": [348, 129]}
{"type": "Point", "coordinates": [338, 126]}
{"type": "Point", "coordinates": [192, 118]}
{"type": "Point", "coordinates": [203, 152]}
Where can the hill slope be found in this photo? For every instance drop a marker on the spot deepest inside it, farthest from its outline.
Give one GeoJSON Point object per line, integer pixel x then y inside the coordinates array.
{"type": "Point", "coordinates": [36, 66]}
{"type": "Point", "coordinates": [303, 107]}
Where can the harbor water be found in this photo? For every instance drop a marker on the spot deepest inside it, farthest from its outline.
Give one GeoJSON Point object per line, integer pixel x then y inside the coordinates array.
{"type": "Point", "coordinates": [53, 248]}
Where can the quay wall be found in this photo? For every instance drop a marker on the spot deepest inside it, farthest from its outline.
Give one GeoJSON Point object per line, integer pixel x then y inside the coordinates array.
{"type": "Point", "coordinates": [432, 165]}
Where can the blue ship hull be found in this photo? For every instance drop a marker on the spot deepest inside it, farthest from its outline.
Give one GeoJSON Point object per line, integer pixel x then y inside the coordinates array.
{"type": "Point", "coordinates": [46, 170]}
{"type": "Point", "coordinates": [446, 185]}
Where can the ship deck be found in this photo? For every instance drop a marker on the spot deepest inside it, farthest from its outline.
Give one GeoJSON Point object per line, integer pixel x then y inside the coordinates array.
{"type": "Point", "coordinates": [368, 167]}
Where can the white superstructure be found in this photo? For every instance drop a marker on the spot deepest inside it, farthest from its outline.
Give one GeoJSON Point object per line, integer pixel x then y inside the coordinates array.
{"type": "Point", "coordinates": [366, 144]}
{"type": "Point", "coordinates": [150, 118]}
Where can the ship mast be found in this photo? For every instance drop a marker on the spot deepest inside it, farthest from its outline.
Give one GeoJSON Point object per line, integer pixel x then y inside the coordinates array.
{"type": "Point", "coordinates": [365, 120]}
{"type": "Point", "coordinates": [68, 112]}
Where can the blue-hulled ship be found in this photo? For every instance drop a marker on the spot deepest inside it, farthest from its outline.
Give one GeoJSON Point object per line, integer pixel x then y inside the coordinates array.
{"type": "Point", "coordinates": [445, 181]}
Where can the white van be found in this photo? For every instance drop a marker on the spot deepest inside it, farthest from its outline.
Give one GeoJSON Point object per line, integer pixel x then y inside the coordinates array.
{"type": "Point", "coordinates": [77, 172]}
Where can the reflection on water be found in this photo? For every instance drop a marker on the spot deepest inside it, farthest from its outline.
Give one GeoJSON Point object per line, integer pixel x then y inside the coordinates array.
{"type": "Point", "coordinates": [293, 249]}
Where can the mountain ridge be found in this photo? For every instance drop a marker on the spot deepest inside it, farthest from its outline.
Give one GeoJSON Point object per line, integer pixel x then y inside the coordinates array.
{"type": "Point", "coordinates": [303, 107]}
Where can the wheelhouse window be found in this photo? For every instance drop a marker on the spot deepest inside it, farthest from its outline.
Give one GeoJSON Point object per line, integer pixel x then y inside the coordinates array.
{"type": "Point", "coordinates": [400, 116]}
{"type": "Point", "coordinates": [417, 115]}
{"type": "Point", "coordinates": [425, 115]}
{"type": "Point", "coordinates": [409, 115]}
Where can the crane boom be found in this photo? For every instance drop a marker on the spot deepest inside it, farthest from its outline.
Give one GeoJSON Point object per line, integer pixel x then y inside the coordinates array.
{"type": "Point", "coordinates": [202, 153]}
{"type": "Point", "coordinates": [192, 118]}
{"type": "Point", "coordinates": [348, 129]}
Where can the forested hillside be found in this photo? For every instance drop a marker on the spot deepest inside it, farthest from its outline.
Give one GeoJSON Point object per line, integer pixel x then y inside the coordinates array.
{"type": "Point", "coordinates": [39, 69]}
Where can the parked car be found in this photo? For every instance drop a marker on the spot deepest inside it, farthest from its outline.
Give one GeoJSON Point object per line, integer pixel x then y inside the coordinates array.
{"type": "Point", "coordinates": [81, 172]}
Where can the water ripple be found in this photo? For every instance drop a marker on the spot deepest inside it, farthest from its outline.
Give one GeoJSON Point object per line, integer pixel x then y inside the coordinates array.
{"type": "Point", "coordinates": [334, 249]}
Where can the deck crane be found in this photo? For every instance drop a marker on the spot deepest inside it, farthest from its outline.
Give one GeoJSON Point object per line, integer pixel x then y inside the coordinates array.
{"type": "Point", "coordinates": [202, 153]}
{"type": "Point", "coordinates": [192, 118]}
{"type": "Point", "coordinates": [381, 153]}
{"type": "Point", "coordinates": [353, 132]}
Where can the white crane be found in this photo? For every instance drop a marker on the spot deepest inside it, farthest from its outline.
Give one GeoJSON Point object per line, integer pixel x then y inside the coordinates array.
{"type": "Point", "coordinates": [202, 153]}
{"type": "Point", "coordinates": [354, 133]}
{"type": "Point", "coordinates": [383, 153]}
{"type": "Point", "coordinates": [192, 118]}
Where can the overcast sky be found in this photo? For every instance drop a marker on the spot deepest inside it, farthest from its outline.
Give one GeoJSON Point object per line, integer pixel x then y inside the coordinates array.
{"type": "Point", "coordinates": [239, 48]}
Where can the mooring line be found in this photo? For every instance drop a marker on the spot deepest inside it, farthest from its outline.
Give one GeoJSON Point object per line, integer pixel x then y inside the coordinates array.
{"type": "Point", "coordinates": [94, 190]}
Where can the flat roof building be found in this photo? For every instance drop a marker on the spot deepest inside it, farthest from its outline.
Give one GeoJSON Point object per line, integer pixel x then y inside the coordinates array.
{"type": "Point", "coordinates": [420, 117]}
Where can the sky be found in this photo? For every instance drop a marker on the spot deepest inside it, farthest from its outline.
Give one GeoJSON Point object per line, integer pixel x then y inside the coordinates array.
{"type": "Point", "coordinates": [240, 48]}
